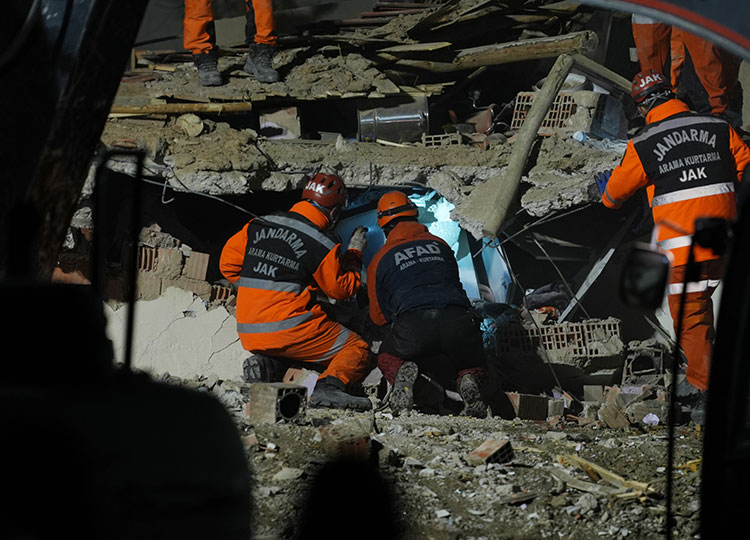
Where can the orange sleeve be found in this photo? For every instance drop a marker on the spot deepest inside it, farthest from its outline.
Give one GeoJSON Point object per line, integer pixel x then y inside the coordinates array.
{"type": "Point", "coordinates": [339, 279]}
{"type": "Point", "coordinates": [740, 151]}
{"type": "Point", "coordinates": [627, 178]}
{"type": "Point", "coordinates": [233, 255]}
{"type": "Point", "coordinates": [376, 314]}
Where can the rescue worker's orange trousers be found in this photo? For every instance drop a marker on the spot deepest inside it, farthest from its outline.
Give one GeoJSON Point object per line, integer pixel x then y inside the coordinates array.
{"type": "Point", "coordinates": [716, 70]}
{"type": "Point", "coordinates": [652, 43]}
{"type": "Point", "coordinates": [344, 353]}
{"type": "Point", "coordinates": [698, 320]}
{"type": "Point", "coordinates": [198, 31]}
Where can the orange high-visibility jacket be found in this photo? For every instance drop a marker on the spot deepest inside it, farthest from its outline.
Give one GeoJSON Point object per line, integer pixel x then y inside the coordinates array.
{"type": "Point", "coordinates": [689, 165]}
{"type": "Point", "coordinates": [278, 261]}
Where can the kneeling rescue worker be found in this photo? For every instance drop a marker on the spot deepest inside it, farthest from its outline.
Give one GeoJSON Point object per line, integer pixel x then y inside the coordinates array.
{"type": "Point", "coordinates": [689, 165]}
{"type": "Point", "coordinates": [413, 285]}
{"type": "Point", "coordinates": [277, 262]}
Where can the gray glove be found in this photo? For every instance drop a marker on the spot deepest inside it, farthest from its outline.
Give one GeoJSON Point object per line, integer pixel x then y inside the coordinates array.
{"type": "Point", "coordinates": [358, 239]}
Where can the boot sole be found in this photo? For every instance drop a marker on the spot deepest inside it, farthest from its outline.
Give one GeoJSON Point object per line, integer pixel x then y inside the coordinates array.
{"type": "Point", "coordinates": [473, 404]}
{"type": "Point", "coordinates": [402, 394]}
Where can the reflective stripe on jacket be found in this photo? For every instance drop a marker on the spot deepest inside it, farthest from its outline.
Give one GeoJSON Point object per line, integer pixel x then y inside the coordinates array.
{"type": "Point", "coordinates": [413, 270]}
{"type": "Point", "coordinates": [689, 165]}
{"type": "Point", "coordinates": [277, 262]}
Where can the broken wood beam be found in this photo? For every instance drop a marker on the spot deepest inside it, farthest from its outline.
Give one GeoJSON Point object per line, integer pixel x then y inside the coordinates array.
{"type": "Point", "coordinates": [181, 108]}
{"type": "Point", "coordinates": [506, 53]}
{"type": "Point", "coordinates": [388, 6]}
{"type": "Point", "coordinates": [488, 204]}
{"type": "Point", "coordinates": [394, 13]}
{"type": "Point", "coordinates": [598, 71]}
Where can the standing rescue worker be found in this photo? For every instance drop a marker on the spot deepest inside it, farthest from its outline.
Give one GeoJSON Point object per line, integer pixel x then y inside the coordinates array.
{"type": "Point", "coordinates": [413, 285]}
{"type": "Point", "coordinates": [199, 37]}
{"type": "Point", "coordinates": [277, 262]}
{"type": "Point", "coordinates": [705, 75]}
{"type": "Point", "coordinates": [689, 165]}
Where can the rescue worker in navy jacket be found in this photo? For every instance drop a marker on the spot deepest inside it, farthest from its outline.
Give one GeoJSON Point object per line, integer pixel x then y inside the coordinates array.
{"type": "Point", "coordinates": [413, 285]}
{"type": "Point", "coordinates": [278, 262]}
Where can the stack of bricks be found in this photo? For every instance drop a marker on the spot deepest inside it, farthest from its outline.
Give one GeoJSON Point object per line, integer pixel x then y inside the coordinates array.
{"type": "Point", "coordinates": [161, 268]}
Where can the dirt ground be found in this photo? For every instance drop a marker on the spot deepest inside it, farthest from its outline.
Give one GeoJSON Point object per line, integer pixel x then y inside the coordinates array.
{"type": "Point", "coordinates": [539, 493]}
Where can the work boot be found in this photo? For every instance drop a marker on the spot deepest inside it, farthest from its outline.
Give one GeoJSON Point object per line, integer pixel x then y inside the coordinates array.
{"type": "Point", "coordinates": [402, 393]}
{"type": "Point", "coordinates": [260, 368]}
{"type": "Point", "coordinates": [207, 65]}
{"type": "Point", "coordinates": [470, 389]}
{"type": "Point", "coordinates": [331, 392]}
{"type": "Point", "coordinates": [698, 411]}
{"type": "Point", "coordinates": [258, 63]}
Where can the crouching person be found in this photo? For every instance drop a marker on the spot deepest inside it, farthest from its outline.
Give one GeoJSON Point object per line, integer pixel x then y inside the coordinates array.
{"type": "Point", "coordinates": [413, 285]}
{"type": "Point", "coordinates": [277, 261]}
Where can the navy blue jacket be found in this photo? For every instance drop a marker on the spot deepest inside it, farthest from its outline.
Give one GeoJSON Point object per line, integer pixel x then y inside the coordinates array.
{"type": "Point", "coordinates": [413, 270]}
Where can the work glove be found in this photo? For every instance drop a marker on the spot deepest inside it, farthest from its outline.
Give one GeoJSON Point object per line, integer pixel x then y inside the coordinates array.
{"type": "Point", "coordinates": [358, 239]}
{"type": "Point", "coordinates": [601, 180]}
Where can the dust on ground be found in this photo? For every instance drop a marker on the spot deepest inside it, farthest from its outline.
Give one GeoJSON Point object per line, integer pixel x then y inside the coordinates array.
{"type": "Point", "coordinates": [538, 494]}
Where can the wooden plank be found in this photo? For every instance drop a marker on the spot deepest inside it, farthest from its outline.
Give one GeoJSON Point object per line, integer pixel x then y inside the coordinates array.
{"type": "Point", "coordinates": [597, 70]}
{"type": "Point", "coordinates": [371, 14]}
{"type": "Point", "coordinates": [416, 47]}
{"type": "Point", "coordinates": [489, 203]}
{"type": "Point", "coordinates": [504, 53]}
{"type": "Point", "coordinates": [182, 108]}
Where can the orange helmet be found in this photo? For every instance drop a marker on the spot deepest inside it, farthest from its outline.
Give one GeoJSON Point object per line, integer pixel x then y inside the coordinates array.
{"type": "Point", "coordinates": [327, 190]}
{"type": "Point", "coordinates": [395, 204]}
{"type": "Point", "coordinates": [647, 83]}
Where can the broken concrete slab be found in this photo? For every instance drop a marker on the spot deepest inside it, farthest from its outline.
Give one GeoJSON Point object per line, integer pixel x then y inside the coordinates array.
{"type": "Point", "coordinates": [175, 333]}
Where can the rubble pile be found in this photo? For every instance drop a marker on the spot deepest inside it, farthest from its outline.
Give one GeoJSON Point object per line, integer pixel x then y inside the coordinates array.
{"type": "Point", "coordinates": [468, 478]}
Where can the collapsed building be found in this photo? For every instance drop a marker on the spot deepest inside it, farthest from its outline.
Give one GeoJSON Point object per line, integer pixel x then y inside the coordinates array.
{"type": "Point", "coordinates": [402, 98]}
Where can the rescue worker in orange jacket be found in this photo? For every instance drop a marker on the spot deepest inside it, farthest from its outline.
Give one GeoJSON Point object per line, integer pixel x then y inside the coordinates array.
{"type": "Point", "coordinates": [413, 285]}
{"type": "Point", "coordinates": [199, 37]}
{"type": "Point", "coordinates": [278, 262]}
{"type": "Point", "coordinates": [690, 165]}
{"type": "Point", "coordinates": [700, 72]}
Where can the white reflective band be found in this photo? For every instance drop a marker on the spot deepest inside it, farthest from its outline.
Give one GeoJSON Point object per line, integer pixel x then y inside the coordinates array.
{"type": "Point", "coordinates": [337, 345]}
{"type": "Point", "coordinates": [268, 285]}
{"type": "Point", "coordinates": [676, 242]}
{"type": "Point", "coordinates": [303, 228]}
{"type": "Point", "coordinates": [692, 193]}
{"type": "Point", "coordinates": [642, 19]}
{"type": "Point", "coordinates": [676, 123]}
{"type": "Point", "coordinates": [262, 328]}
{"type": "Point", "coordinates": [693, 286]}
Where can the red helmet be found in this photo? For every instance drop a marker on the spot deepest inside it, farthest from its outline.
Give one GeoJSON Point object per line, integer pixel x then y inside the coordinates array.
{"type": "Point", "coordinates": [647, 83]}
{"type": "Point", "coordinates": [395, 204]}
{"type": "Point", "coordinates": [327, 190]}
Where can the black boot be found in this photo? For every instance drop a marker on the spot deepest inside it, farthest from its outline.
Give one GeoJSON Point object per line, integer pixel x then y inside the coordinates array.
{"type": "Point", "coordinates": [207, 65]}
{"type": "Point", "coordinates": [258, 63]}
{"type": "Point", "coordinates": [331, 392]}
{"type": "Point", "coordinates": [402, 393]}
{"type": "Point", "coordinates": [469, 386]}
{"type": "Point", "coordinates": [260, 368]}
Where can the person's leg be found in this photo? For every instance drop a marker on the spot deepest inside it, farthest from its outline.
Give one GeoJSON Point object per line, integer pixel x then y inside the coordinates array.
{"type": "Point", "coordinates": [344, 354]}
{"type": "Point", "coordinates": [461, 340]}
{"type": "Point", "coordinates": [200, 39]}
{"type": "Point", "coordinates": [652, 44]}
{"type": "Point", "coordinates": [698, 320]}
{"type": "Point", "coordinates": [260, 35]}
{"type": "Point", "coordinates": [705, 58]}
{"type": "Point", "coordinates": [198, 28]}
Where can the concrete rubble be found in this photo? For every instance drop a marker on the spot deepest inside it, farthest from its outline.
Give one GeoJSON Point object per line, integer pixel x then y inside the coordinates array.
{"type": "Point", "coordinates": [587, 383]}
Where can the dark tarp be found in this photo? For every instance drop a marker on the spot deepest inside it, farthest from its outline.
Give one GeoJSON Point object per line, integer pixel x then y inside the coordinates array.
{"type": "Point", "coordinates": [724, 22]}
